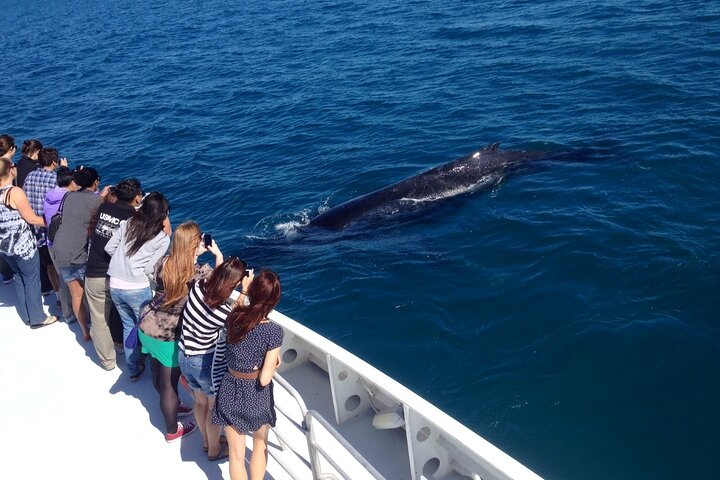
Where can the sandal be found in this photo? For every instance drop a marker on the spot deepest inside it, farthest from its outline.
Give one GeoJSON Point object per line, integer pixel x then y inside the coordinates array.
{"type": "Point", "coordinates": [49, 320]}
{"type": "Point", "coordinates": [224, 453]}
{"type": "Point", "coordinates": [223, 441]}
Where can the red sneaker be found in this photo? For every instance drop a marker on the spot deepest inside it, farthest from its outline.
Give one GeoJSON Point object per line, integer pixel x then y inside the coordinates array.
{"type": "Point", "coordinates": [184, 410]}
{"type": "Point", "coordinates": [183, 428]}
{"type": "Point", "coordinates": [184, 383]}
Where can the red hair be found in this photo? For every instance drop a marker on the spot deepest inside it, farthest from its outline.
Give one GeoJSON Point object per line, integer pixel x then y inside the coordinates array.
{"type": "Point", "coordinates": [264, 293]}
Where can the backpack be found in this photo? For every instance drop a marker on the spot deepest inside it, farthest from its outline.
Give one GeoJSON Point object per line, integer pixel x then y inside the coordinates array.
{"type": "Point", "coordinates": [56, 220]}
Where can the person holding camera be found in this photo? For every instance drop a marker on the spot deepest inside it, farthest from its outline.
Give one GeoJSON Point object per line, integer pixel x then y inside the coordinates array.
{"type": "Point", "coordinates": [245, 401]}
{"type": "Point", "coordinates": [127, 195]}
{"type": "Point", "coordinates": [28, 160]}
{"type": "Point", "coordinates": [65, 179]}
{"type": "Point", "coordinates": [37, 184]}
{"type": "Point", "coordinates": [159, 327]}
{"type": "Point", "coordinates": [134, 249]}
{"type": "Point", "coordinates": [207, 307]}
{"type": "Point", "coordinates": [70, 245]}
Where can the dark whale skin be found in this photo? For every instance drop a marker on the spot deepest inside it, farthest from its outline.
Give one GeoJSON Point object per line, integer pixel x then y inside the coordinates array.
{"type": "Point", "coordinates": [481, 169]}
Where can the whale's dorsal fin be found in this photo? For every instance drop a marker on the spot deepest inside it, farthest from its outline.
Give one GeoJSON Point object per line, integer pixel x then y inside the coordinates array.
{"type": "Point", "coordinates": [493, 147]}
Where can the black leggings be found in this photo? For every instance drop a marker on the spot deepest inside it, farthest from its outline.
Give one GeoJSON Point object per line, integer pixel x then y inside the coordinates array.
{"type": "Point", "coordinates": [165, 381]}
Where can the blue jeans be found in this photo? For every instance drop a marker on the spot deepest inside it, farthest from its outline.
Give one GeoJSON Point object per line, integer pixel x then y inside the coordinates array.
{"type": "Point", "coordinates": [198, 371]}
{"type": "Point", "coordinates": [73, 272]}
{"type": "Point", "coordinates": [129, 304]}
{"type": "Point", "coordinates": [27, 288]}
{"type": "Point", "coordinates": [7, 273]}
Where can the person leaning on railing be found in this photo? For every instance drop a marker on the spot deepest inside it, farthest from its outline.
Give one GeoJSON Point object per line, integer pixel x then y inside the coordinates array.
{"type": "Point", "coordinates": [28, 160]}
{"type": "Point", "coordinates": [17, 242]}
{"type": "Point", "coordinates": [134, 249]}
{"type": "Point", "coordinates": [70, 245]}
{"type": "Point", "coordinates": [65, 179]}
{"type": "Point", "coordinates": [245, 401]}
{"type": "Point", "coordinates": [159, 326]}
{"type": "Point", "coordinates": [37, 184]}
{"type": "Point", "coordinates": [127, 194]}
{"type": "Point", "coordinates": [207, 307]}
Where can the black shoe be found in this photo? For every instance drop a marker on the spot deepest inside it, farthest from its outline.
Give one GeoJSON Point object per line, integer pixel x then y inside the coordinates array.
{"type": "Point", "coordinates": [134, 378]}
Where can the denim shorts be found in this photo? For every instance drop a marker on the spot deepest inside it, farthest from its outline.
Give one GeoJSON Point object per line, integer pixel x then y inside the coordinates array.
{"type": "Point", "coordinates": [73, 272]}
{"type": "Point", "coordinates": [198, 371]}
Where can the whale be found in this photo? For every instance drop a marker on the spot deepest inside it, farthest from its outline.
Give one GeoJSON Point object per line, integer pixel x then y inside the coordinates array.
{"type": "Point", "coordinates": [480, 170]}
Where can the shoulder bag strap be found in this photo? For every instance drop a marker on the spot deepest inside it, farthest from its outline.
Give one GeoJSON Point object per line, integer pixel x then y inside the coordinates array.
{"type": "Point", "coordinates": [62, 202]}
{"type": "Point", "coordinates": [6, 200]}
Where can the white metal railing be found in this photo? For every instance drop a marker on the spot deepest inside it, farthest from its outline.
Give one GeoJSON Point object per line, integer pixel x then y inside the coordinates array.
{"type": "Point", "coordinates": [315, 449]}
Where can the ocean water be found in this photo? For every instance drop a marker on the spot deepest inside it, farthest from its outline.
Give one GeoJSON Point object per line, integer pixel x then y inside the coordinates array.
{"type": "Point", "coordinates": [569, 315]}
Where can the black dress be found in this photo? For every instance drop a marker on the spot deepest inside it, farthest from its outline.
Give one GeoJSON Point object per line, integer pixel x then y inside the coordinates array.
{"type": "Point", "coordinates": [242, 403]}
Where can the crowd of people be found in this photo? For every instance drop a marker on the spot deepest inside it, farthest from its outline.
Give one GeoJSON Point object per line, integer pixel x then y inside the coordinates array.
{"type": "Point", "coordinates": [136, 289]}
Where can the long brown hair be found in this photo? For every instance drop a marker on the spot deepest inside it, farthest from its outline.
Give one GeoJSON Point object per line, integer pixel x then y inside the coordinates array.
{"type": "Point", "coordinates": [222, 282]}
{"type": "Point", "coordinates": [179, 267]}
{"type": "Point", "coordinates": [264, 293]}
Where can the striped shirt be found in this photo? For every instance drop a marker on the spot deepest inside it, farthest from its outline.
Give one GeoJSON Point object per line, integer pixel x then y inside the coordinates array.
{"type": "Point", "coordinates": [37, 184]}
{"type": "Point", "coordinates": [201, 324]}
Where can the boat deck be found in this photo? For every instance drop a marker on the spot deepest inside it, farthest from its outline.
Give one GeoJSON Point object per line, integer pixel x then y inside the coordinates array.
{"type": "Point", "coordinates": [64, 414]}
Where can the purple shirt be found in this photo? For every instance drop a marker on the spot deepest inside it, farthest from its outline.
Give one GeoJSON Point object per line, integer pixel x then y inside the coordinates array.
{"type": "Point", "coordinates": [52, 205]}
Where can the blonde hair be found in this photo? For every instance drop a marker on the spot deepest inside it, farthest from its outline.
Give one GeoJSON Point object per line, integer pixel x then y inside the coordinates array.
{"type": "Point", "coordinates": [179, 267]}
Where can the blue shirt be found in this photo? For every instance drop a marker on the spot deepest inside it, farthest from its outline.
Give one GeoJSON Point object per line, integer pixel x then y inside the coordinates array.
{"type": "Point", "coordinates": [37, 184]}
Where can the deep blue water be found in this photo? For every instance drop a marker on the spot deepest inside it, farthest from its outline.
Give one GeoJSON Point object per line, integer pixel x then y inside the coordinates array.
{"type": "Point", "coordinates": [569, 316]}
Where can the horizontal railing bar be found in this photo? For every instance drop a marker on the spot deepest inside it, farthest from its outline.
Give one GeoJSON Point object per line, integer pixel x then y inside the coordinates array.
{"type": "Point", "coordinates": [312, 414]}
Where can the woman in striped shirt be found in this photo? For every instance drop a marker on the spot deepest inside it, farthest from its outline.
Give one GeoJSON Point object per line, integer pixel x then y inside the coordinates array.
{"type": "Point", "coordinates": [204, 315]}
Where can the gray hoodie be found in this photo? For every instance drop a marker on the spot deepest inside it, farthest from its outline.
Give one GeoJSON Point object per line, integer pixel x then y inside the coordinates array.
{"type": "Point", "coordinates": [134, 269]}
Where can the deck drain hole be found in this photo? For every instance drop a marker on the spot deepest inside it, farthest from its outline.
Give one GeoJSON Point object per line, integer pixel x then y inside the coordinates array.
{"type": "Point", "coordinates": [431, 466]}
{"type": "Point", "coordinates": [352, 403]}
{"type": "Point", "coordinates": [423, 434]}
{"type": "Point", "coordinates": [290, 355]}
{"type": "Point", "coordinates": [342, 375]}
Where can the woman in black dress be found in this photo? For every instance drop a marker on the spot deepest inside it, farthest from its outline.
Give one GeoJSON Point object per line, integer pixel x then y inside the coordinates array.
{"type": "Point", "coordinates": [245, 401]}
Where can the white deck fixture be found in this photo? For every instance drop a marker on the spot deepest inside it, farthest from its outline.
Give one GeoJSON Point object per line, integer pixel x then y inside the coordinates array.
{"type": "Point", "coordinates": [359, 423]}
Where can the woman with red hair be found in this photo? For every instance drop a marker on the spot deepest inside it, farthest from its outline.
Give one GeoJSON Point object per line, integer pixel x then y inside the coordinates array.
{"type": "Point", "coordinates": [245, 401]}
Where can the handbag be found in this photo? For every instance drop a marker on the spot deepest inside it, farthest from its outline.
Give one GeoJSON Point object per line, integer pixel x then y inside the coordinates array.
{"type": "Point", "coordinates": [133, 338]}
{"type": "Point", "coordinates": [56, 220]}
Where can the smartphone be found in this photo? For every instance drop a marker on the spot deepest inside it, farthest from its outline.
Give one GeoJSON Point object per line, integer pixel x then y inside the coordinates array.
{"type": "Point", "coordinates": [207, 239]}
{"type": "Point", "coordinates": [249, 271]}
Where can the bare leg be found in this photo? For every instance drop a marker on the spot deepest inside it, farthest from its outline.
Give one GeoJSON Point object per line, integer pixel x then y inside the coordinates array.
{"type": "Point", "coordinates": [236, 447]}
{"type": "Point", "coordinates": [213, 430]}
{"type": "Point", "coordinates": [201, 409]}
{"type": "Point", "coordinates": [77, 291]}
{"type": "Point", "coordinates": [258, 460]}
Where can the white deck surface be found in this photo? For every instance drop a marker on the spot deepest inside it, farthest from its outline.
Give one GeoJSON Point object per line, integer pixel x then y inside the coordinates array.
{"type": "Point", "coordinates": [63, 416]}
